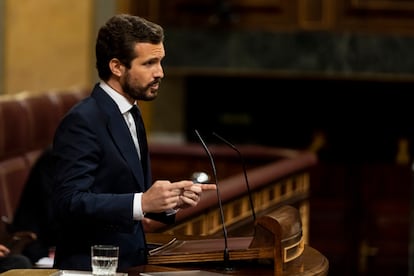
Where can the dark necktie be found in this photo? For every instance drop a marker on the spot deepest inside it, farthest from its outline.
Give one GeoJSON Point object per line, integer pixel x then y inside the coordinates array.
{"type": "Point", "coordinates": [142, 137]}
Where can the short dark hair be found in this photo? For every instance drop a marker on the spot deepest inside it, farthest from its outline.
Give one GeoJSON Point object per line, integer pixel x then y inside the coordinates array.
{"type": "Point", "coordinates": [117, 39]}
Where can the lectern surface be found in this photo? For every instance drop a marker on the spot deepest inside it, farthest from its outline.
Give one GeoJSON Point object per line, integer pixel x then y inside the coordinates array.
{"type": "Point", "coordinates": [311, 263]}
{"type": "Point", "coordinates": [182, 273]}
{"type": "Point", "coordinates": [50, 272]}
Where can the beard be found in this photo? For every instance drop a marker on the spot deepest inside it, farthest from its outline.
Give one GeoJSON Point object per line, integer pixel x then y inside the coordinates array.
{"type": "Point", "coordinates": [137, 92]}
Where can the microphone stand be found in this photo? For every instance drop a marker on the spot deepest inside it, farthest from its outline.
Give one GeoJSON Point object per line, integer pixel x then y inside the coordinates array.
{"type": "Point", "coordinates": [244, 172]}
{"type": "Point", "coordinates": [226, 256]}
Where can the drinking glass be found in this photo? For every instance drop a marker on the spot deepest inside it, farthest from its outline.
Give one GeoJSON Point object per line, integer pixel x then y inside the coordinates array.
{"type": "Point", "coordinates": [104, 260]}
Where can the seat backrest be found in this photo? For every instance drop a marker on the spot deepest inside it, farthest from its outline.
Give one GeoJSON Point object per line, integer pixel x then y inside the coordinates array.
{"type": "Point", "coordinates": [14, 127]}
{"type": "Point", "coordinates": [65, 100]}
{"type": "Point", "coordinates": [43, 117]}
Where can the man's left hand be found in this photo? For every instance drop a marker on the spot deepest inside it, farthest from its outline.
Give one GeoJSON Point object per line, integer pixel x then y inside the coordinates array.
{"type": "Point", "coordinates": [190, 196]}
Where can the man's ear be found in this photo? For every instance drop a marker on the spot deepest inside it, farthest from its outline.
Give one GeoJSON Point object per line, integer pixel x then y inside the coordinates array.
{"type": "Point", "coordinates": [116, 67]}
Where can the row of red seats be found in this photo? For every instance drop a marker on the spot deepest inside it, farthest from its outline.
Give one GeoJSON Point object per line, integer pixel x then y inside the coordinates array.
{"type": "Point", "coordinates": [27, 125]}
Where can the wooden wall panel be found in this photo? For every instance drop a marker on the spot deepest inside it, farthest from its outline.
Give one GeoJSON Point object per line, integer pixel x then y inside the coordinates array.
{"type": "Point", "coordinates": [384, 5]}
{"type": "Point", "coordinates": [374, 16]}
{"type": "Point", "coordinates": [245, 14]}
{"type": "Point", "coordinates": [378, 16]}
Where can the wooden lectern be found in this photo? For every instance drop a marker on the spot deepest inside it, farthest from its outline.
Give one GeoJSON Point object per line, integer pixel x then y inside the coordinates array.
{"type": "Point", "coordinates": [277, 239]}
{"type": "Point", "coordinates": [277, 245]}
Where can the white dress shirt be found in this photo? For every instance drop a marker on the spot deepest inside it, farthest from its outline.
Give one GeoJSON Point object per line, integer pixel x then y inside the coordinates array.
{"type": "Point", "coordinates": [124, 106]}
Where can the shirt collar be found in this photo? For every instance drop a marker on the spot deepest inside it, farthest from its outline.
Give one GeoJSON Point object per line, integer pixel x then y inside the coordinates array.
{"type": "Point", "coordinates": [123, 104]}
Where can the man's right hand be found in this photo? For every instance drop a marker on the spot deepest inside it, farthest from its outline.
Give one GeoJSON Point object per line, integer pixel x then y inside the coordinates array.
{"type": "Point", "coordinates": [163, 195]}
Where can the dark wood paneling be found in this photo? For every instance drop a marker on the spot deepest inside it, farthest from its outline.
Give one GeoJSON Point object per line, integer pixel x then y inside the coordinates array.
{"type": "Point", "coordinates": [360, 217]}
{"type": "Point", "coordinates": [379, 16]}
{"type": "Point", "coordinates": [245, 14]}
{"type": "Point", "coordinates": [382, 16]}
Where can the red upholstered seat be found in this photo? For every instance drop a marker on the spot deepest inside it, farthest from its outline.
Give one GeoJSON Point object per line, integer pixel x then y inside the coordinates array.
{"type": "Point", "coordinates": [14, 127]}
{"type": "Point", "coordinates": [43, 117]}
{"type": "Point", "coordinates": [64, 100]}
{"type": "Point", "coordinates": [27, 125]}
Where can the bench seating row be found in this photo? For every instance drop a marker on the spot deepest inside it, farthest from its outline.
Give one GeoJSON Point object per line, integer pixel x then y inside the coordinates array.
{"type": "Point", "coordinates": [27, 125]}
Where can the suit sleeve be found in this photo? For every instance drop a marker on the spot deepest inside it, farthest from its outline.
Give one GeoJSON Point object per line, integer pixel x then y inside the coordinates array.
{"type": "Point", "coordinates": [83, 191]}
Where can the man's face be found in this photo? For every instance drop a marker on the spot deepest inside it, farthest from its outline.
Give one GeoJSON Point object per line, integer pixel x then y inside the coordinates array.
{"type": "Point", "coordinates": [142, 81]}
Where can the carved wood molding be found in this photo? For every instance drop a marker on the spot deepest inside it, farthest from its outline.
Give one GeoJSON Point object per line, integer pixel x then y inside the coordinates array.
{"type": "Point", "coordinates": [291, 190]}
{"type": "Point", "coordinates": [316, 14]}
{"type": "Point", "coordinates": [382, 5]}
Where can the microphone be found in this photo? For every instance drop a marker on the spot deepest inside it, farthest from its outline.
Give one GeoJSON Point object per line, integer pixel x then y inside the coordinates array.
{"type": "Point", "coordinates": [244, 171]}
{"type": "Point", "coordinates": [226, 248]}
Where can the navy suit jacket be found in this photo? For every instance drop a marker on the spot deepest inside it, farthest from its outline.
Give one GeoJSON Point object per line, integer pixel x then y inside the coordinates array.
{"type": "Point", "coordinates": [97, 171]}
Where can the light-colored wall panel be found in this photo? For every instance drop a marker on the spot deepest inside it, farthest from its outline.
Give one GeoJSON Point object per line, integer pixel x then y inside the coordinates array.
{"type": "Point", "coordinates": [2, 14]}
{"type": "Point", "coordinates": [47, 44]}
{"type": "Point", "coordinates": [50, 44]}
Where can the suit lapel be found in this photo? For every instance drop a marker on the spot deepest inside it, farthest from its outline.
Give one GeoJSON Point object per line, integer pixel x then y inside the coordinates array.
{"type": "Point", "coordinates": [119, 131]}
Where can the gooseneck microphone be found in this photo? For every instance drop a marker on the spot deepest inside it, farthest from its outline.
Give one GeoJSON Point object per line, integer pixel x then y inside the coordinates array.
{"type": "Point", "coordinates": [244, 171]}
{"type": "Point", "coordinates": [226, 248]}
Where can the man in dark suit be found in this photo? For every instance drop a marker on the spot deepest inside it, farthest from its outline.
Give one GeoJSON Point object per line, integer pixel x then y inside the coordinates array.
{"type": "Point", "coordinates": [103, 187]}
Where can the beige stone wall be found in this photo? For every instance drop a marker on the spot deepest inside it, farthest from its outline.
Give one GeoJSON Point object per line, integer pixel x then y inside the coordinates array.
{"type": "Point", "coordinates": [47, 44]}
